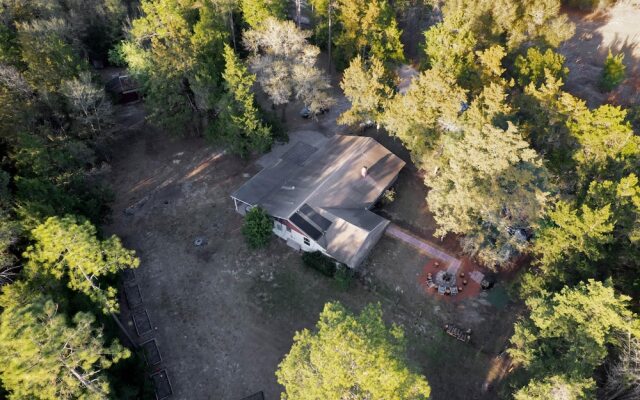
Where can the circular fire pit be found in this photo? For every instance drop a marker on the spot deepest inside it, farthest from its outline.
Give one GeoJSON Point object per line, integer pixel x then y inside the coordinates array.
{"type": "Point", "coordinates": [444, 278]}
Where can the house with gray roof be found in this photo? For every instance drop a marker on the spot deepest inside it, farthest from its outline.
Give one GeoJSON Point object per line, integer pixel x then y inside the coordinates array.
{"type": "Point", "coordinates": [320, 197]}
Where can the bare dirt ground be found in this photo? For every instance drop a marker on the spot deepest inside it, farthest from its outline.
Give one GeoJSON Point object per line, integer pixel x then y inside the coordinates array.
{"type": "Point", "coordinates": [618, 29]}
{"type": "Point", "coordinates": [224, 315]}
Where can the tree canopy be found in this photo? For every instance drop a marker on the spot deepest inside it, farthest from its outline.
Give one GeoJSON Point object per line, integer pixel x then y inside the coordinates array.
{"type": "Point", "coordinates": [43, 355]}
{"type": "Point", "coordinates": [69, 250]}
{"type": "Point", "coordinates": [350, 356]}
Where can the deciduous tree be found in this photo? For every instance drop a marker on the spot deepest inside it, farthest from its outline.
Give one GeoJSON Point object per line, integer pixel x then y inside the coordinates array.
{"type": "Point", "coordinates": [284, 63]}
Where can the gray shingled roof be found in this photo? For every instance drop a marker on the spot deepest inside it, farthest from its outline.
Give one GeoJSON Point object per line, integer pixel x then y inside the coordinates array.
{"type": "Point", "coordinates": [326, 177]}
{"type": "Point", "coordinates": [326, 183]}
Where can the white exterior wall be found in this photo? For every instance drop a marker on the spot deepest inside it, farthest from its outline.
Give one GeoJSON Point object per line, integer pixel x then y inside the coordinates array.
{"type": "Point", "coordinates": [287, 233]}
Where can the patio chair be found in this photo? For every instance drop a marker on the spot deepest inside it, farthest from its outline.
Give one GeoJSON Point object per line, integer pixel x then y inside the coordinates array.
{"type": "Point", "coordinates": [454, 290]}
{"type": "Point", "coordinates": [441, 290]}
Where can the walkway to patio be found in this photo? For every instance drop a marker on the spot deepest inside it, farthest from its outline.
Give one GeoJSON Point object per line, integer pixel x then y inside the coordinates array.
{"type": "Point", "coordinates": [465, 274]}
{"type": "Point", "coordinates": [452, 263]}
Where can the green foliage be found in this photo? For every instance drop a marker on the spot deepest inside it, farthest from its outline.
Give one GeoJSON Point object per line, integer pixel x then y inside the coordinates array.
{"type": "Point", "coordinates": [512, 23]}
{"type": "Point", "coordinates": [239, 123]}
{"type": "Point", "coordinates": [613, 72]}
{"type": "Point", "coordinates": [255, 12]}
{"type": "Point", "coordinates": [321, 263]}
{"type": "Point", "coordinates": [49, 58]}
{"type": "Point", "coordinates": [608, 147]}
{"type": "Point", "coordinates": [257, 227]}
{"type": "Point", "coordinates": [176, 51]}
{"type": "Point", "coordinates": [45, 356]}
{"type": "Point", "coordinates": [69, 250]}
{"type": "Point", "coordinates": [366, 86]}
{"type": "Point", "coordinates": [488, 183]}
{"type": "Point", "coordinates": [367, 28]}
{"type": "Point", "coordinates": [350, 356]}
{"type": "Point", "coordinates": [343, 277]}
{"type": "Point", "coordinates": [567, 333]}
{"type": "Point", "coordinates": [432, 101]}
{"type": "Point", "coordinates": [557, 387]}
{"type": "Point", "coordinates": [51, 180]}
{"type": "Point", "coordinates": [450, 48]}
{"type": "Point", "coordinates": [572, 241]}
{"type": "Point", "coordinates": [536, 67]}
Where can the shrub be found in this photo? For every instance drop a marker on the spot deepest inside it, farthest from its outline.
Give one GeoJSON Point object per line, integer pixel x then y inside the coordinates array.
{"type": "Point", "coordinates": [257, 228]}
{"type": "Point", "coordinates": [343, 276]}
{"type": "Point", "coordinates": [320, 263]}
{"type": "Point", "coordinates": [536, 65]}
{"type": "Point", "coordinates": [389, 196]}
{"type": "Point", "coordinates": [613, 72]}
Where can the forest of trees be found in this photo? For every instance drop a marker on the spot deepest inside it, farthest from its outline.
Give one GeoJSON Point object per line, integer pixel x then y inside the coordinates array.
{"type": "Point", "coordinates": [514, 166]}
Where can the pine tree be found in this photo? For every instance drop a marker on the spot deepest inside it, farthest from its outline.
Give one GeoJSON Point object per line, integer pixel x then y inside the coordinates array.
{"type": "Point", "coordinates": [367, 28]}
{"type": "Point", "coordinates": [568, 333]}
{"type": "Point", "coordinates": [255, 12]}
{"type": "Point", "coordinates": [45, 356]}
{"type": "Point", "coordinates": [350, 356]}
{"type": "Point", "coordinates": [239, 124]}
{"type": "Point", "coordinates": [365, 85]}
{"type": "Point", "coordinates": [70, 251]}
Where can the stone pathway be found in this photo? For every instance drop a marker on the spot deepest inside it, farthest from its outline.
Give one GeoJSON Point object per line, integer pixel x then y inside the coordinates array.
{"type": "Point", "coordinates": [453, 264]}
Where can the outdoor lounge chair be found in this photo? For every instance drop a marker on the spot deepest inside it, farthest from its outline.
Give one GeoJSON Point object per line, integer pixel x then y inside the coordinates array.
{"type": "Point", "coordinates": [454, 290]}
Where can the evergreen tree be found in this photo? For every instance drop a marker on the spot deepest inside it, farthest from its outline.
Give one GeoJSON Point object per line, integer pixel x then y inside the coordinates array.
{"type": "Point", "coordinates": [257, 227]}
{"type": "Point", "coordinates": [567, 333]}
{"type": "Point", "coordinates": [69, 250]}
{"type": "Point", "coordinates": [175, 49]}
{"type": "Point", "coordinates": [365, 85]}
{"type": "Point", "coordinates": [44, 356]}
{"type": "Point", "coordinates": [255, 12]}
{"type": "Point", "coordinates": [350, 356]}
{"type": "Point", "coordinates": [572, 241]}
{"type": "Point", "coordinates": [486, 182]}
{"type": "Point", "coordinates": [536, 67]}
{"type": "Point", "coordinates": [238, 123]}
{"type": "Point", "coordinates": [557, 387]}
{"type": "Point", "coordinates": [430, 105]}
{"type": "Point", "coordinates": [367, 28]}
{"type": "Point", "coordinates": [613, 72]}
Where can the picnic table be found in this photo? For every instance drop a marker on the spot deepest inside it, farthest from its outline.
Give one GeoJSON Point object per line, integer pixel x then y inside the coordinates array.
{"type": "Point", "coordinates": [458, 333]}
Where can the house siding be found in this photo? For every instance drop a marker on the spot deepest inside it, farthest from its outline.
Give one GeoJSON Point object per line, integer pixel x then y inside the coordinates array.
{"type": "Point", "coordinates": [284, 230]}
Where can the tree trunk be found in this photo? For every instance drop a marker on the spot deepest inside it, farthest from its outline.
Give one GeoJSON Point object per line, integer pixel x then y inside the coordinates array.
{"type": "Point", "coordinates": [233, 31]}
{"type": "Point", "coordinates": [329, 41]}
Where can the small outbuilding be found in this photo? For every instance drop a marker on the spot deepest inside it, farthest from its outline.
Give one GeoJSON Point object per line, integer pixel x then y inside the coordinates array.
{"type": "Point", "coordinates": [320, 198]}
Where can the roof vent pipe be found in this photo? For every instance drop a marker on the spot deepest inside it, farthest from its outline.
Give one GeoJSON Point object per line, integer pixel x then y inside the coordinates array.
{"type": "Point", "coordinates": [363, 172]}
